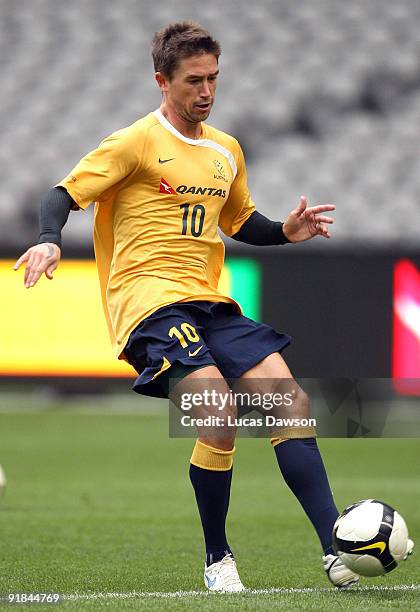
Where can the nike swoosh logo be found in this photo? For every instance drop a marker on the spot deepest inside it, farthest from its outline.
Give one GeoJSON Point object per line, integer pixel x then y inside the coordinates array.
{"type": "Point", "coordinates": [194, 353]}
{"type": "Point", "coordinates": [380, 545]}
{"type": "Point", "coordinates": [163, 161]}
{"type": "Point", "coordinates": [210, 581]}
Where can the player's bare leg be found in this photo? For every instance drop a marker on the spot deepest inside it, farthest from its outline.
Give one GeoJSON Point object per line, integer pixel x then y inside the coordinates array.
{"type": "Point", "coordinates": [211, 475]}
{"type": "Point", "coordinates": [299, 458]}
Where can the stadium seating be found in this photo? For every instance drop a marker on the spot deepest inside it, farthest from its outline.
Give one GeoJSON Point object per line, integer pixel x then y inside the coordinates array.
{"type": "Point", "coordinates": [324, 97]}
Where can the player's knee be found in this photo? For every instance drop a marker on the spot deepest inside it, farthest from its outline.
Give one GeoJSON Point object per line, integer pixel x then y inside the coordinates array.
{"type": "Point", "coordinates": [302, 405]}
{"type": "Point", "coordinates": [216, 424]}
{"type": "Point", "coordinates": [223, 432]}
{"type": "Point", "coordinates": [295, 421]}
{"type": "Point", "coordinates": [219, 430]}
{"type": "Point", "coordinates": [294, 402]}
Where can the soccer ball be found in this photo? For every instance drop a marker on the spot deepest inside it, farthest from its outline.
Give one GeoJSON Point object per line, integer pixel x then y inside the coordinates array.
{"type": "Point", "coordinates": [370, 538]}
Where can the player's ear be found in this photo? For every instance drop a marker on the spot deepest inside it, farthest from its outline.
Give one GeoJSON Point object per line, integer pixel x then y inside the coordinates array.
{"type": "Point", "coordinates": [162, 81]}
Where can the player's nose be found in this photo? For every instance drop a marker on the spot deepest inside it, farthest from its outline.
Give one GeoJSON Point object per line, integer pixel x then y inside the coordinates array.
{"type": "Point", "coordinates": [205, 90]}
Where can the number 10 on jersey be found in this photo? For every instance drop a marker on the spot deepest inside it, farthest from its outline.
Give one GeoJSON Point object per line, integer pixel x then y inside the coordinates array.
{"type": "Point", "coordinates": [193, 224]}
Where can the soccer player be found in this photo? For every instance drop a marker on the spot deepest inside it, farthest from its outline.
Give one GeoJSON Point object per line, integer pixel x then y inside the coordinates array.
{"type": "Point", "coordinates": [161, 188]}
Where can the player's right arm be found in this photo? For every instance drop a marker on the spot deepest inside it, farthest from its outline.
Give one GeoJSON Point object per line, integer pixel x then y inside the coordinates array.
{"type": "Point", "coordinates": [92, 178]}
{"type": "Point", "coordinates": [44, 257]}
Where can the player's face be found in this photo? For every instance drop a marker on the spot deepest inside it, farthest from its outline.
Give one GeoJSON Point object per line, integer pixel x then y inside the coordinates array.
{"type": "Point", "coordinates": [191, 90]}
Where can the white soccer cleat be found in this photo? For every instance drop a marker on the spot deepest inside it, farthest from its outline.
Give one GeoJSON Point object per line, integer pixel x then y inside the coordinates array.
{"type": "Point", "coordinates": [409, 551]}
{"type": "Point", "coordinates": [340, 575]}
{"type": "Point", "coordinates": [223, 576]}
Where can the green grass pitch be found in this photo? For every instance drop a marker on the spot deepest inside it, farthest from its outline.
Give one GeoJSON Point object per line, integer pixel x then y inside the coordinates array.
{"type": "Point", "coordinates": [101, 503]}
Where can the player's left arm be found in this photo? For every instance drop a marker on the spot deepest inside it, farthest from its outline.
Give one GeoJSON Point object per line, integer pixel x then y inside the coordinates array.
{"type": "Point", "coordinates": [240, 220]}
{"type": "Point", "coordinates": [301, 224]}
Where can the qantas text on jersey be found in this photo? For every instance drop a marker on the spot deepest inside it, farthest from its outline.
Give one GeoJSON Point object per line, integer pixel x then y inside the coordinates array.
{"type": "Point", "coordinates": [221, 193]}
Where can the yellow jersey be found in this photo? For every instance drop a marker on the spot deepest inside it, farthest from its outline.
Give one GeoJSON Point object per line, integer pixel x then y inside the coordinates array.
{"type": "Point", "coordinates": [159, 200]}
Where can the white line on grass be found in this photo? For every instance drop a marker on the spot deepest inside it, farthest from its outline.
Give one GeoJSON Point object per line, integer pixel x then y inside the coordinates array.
{"type": "Point", "coordinates": [274, 590]}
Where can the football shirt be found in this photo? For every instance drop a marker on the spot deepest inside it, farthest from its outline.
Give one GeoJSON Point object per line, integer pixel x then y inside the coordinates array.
{"type": "Point", "coordinates": [159, 200]}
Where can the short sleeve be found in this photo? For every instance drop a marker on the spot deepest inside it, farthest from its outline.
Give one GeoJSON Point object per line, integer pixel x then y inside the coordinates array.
{"type": "Point", "coordinates": [101, 169]}
{"type": "Point", "coordinates": [239, 205]}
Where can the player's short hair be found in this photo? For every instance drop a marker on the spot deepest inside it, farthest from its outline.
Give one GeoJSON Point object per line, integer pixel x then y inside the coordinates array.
{"type": "Point", "coordinates": [180, 40]}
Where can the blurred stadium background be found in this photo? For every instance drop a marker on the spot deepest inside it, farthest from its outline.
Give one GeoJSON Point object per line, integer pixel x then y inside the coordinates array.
{"type": "Point", "coordinates": [324, 97]}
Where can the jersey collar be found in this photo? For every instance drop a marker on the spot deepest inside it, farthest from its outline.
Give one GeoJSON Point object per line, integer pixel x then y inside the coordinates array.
{"type": "Point", "coordinates": [201, 142]}
{"type": "Point", "coordinates": [167, 125]}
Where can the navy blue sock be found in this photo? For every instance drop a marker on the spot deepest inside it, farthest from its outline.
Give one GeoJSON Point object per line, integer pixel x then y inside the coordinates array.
{"type": "Point", "coordinates": [301, 464]}
{"type": "Point", "coordinates": [212, 492]}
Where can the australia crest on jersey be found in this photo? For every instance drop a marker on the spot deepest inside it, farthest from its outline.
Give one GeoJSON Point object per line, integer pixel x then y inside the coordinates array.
{"type": "Point", "coordinates": [220, 175]}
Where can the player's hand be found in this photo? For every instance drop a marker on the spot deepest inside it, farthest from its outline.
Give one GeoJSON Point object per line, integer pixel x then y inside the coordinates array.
{"type": "Point", "coordinates": [304, 223]}
{"type": "Point", "coordinates": [41, 258]}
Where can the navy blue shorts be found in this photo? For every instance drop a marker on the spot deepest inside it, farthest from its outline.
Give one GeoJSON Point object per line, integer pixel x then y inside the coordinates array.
{"type": "Point", "coordinates": [196, 334]}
